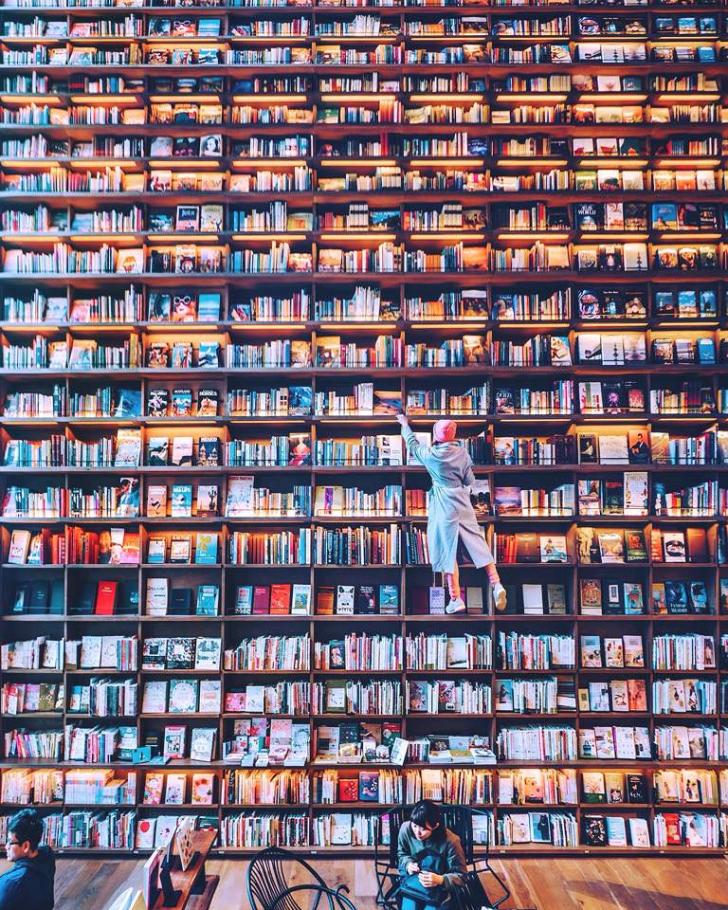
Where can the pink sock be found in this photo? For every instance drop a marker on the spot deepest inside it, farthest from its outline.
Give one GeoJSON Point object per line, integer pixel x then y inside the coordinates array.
{"type": "Point", "coordinates": [492, 572]}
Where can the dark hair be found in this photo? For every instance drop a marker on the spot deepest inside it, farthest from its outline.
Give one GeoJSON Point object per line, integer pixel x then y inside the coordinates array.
{"type": "Point", "coordinates": [27, 825]}
{"type": "Point", "coordinates": [427, 814]}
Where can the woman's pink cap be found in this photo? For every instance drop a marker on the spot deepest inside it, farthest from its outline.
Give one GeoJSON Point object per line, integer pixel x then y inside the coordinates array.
{"type": "Point", "coordinates": [444, 431]}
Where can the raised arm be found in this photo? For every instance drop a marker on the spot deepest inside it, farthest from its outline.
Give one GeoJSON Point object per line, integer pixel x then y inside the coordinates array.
{"type": "Point", "coordinates": [415, 448]}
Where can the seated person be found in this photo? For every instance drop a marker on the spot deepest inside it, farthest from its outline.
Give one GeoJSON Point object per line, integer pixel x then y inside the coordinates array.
{"type": "Point", "coordinates": [28, 884]}
{"type": "Point", "coordinates": [430, 858]}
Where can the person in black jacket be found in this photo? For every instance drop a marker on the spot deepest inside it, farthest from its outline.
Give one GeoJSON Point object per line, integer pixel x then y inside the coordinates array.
{"type": "Point", "coordinates": [28, 884]}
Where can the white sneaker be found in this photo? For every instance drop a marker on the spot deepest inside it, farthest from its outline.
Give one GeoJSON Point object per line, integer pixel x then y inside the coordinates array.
{"type": "Point", "coordinates": [499, 597]}
{"type": "Point", "coordinates": [456, 605]}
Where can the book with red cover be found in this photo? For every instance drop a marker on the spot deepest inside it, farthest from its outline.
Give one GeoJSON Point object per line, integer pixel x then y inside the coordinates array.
{"type": "Point", "coordinates": [261, 599]}
{"type": "Point", "coordinates": [697, 542]}
{"type": "Point", "coordinates": [656, 545]}
{"type": "Point", "coordinates": [105, 598]}
{"type": "Point", "coordinates": [420, 601]}
{"type": "Point", "coordinates": [348, 789]}
{"type": "Point", "coordinates": [528, 548]}
{"type": "Point", "coordinates": [280, 599]}
{"type": "Point", "coordinates": [325, 601]}
{"type": "Point", "coordinates": [637, 694]}
{"type": "Point", "coordinates": [672, 824]}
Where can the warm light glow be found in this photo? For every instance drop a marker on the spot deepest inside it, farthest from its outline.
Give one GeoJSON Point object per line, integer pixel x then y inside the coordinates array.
{"type": "Point", "coordinates": [356, 39]}
{"type": "Point", "coordinates": [364, 326]}
{"type": "Point", "coordinates": [47, 237]}
{"type": "Point", "coordinates": [267, 99]}
{"type": "Point", "coordinates": [182, 43]}
{"type": "Point", "coordinates": [539, 323]}
{"type": "Point", "coordinates": [265, 39]}
{"type": "Point", "coordinates": [358, 162]}
{"type": "Point", "coordinates": [357, 96]}
{"type": "Point", "coordinates": [447, 96]}
{"type": "Point", "coordinates": [256, 164]}
{"type": "Point", "coordinates": [106, 238]}
{"type": "Point", "coordinates": [687, 162]}
{"type": "Point", "coordinates": [534, 98]}
{"type": "Point", "coordinates": [531, 162]}
{"type": "Point", "coordinates": [612, 98]}
{"type": "Point", "coordinates": [433, 325]}
{"type": "Point", "coordinates": [121, 98]}
{"type": "Point", "coordinates": [77, 327]}
{"type": "Point", "coordinates": [616, 162]}
{"type": "Point", "coordinates": [538, 417]}
{"type": "Point", "coordinates": [688, 97]}
{"type": "Point", "coordinates": [627, 236]}
{"type": "Point", "coordinates": [35, 99]}
{"type": "Point", "coordinates": [447, 162]}
{"type": "Point", "coordinates": [689, 235]}
{"type": "Point", "coordinates": [15, 327]}
{"type": "Point", "coordinates": [35, 165]}
{"type": "Point", "coordinates": [447, 235]}
{"type": "Point", "coordinates": [202, 99]}
{"type": "Point", "coordinates": [85, 163]}
{"type": "Point", "coordinates": [345, 236]}
{"type": "Point", "coordinates": [263, 235]}
{"type": "Point", "coordinates": [185, 164]}
{"type": "Point", "coordinates": [179, 236]}
{"type": "Point", "coordinates": [533, 235]}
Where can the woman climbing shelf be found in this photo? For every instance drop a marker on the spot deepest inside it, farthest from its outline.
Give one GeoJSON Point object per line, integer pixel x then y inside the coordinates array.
{"type": "Point", "coordinates": [451, 517]}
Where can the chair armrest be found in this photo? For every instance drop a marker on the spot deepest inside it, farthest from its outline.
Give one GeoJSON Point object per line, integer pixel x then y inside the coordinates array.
{"type": "Point", "coordinates": [321, 889]}
{"type": "Point", "coordinates": [335, 896]}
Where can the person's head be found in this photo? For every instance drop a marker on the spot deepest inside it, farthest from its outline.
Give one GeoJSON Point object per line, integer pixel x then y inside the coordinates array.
{"type": "Point", "coordinates": [25, 830]}
{"type": "Point", "coordinates": [426, 820]}
{"type": "Point", "coordinates": [444, 431]}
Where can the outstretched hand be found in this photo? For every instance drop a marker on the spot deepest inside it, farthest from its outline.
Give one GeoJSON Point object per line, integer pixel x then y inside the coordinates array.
{"type": "Point", "coordinates": [402, 420]}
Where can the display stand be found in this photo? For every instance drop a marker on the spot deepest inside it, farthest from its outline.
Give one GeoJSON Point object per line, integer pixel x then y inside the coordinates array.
{"type": "Point", "coordinates": [192, 889]}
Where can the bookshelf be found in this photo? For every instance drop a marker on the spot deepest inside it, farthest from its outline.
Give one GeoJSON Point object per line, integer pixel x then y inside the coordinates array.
{"type": "Point", "coordinates": [233, 236]}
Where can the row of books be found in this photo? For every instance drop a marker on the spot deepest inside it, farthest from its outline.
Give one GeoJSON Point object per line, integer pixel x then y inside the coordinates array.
{"type": "Point", "coordinates": [357, 741]}
{"type": "Point", "coordinates": [558, 397]}
{"type": "Point", "coordinates": [250, 178]}
{"type": "Point", "coordinates": [362, 651]}
{"type": "Point", "coordinates": [386, 111]}
{"type": "Point", "coordinates": [462, 144]}
{"type": "Point", "coordinates": [124, 449]}
{"type": "Point", "coordinates": [365, 546]}
{"type": "Point", "coordinates": [391, 350]}
{"type": "Point", "coordinates": [385, 257]}
{"type": "Point", "coordinates": [396, 47]}
{"type": "Point", "coordinates": [607, 546]}
{"type": "Point", "coordinates": [639, 446]}
{"type": "Point", "coordinates": [596, 597]}
{"type": "Point", "coordinates": [537, 786]}
{"type": "Point", "coordinates": [462, 83]}
{"type": "Point", "coordinates": [362, 24]}
{"type": "Point", "coordinates": [689, 829]}
{"type": "Point", "coordinates": [333, 4]}
{"type": "Point", "coordinates": [366, 302]}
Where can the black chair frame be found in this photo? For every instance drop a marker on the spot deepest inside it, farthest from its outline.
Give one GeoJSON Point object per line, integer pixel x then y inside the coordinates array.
{"type": "Point", "coordinates": [268, 889]}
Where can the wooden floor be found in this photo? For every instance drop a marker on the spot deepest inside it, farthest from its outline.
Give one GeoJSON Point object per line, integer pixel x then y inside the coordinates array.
{"type": "Point", "coordinates": [545, 884]}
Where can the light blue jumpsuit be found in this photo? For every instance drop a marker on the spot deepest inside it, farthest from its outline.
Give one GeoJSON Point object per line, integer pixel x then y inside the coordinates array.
{"type": "Point", "coordinates": [450, 515]}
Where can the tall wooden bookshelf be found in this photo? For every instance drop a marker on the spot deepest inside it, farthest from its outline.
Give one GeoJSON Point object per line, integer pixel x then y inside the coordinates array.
{"type": "Point", "coordinates": [558, 137]}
